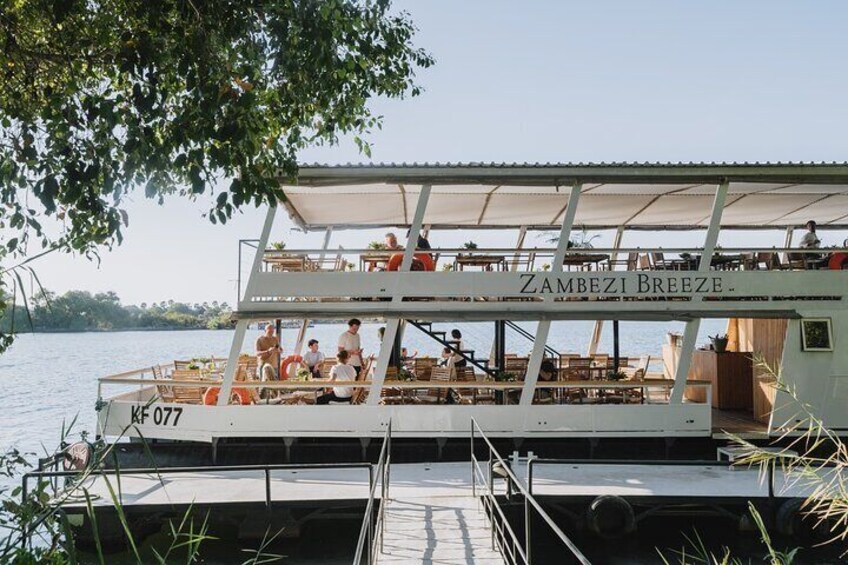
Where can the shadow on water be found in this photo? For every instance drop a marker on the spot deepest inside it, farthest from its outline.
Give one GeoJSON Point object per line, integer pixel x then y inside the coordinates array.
{"type": "Point", "coordinates": [333, 542]}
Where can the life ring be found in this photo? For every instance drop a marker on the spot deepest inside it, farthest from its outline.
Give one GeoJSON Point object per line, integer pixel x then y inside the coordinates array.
{"type": "Point", "coordinates": [838, 261]}
{"type": "Point", "coordinates": [284, 374]}
{"type": "Point", "coordinates": [237, 396]}
{"type": "Point", "coordinates": [420, 262]}
{"type": "Point", "coordinates": [610, 517]}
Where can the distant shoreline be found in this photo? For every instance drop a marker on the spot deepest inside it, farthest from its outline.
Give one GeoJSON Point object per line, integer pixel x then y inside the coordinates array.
{"type": "Point", "coordinates": [165, 329]}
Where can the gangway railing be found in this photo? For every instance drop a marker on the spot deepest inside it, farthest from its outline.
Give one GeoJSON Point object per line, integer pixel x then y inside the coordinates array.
{"type": "Point", "coordinates": [79, 478]}
{"type": "Point", "coordinates": [504, 537]}
{"type": "Point", "coordinates": [373, 523]}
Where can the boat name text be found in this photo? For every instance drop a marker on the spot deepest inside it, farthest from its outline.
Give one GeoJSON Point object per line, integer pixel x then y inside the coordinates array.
{"type": "Point", "coordinates": [162, 415]}
{"type": "Point", "coordinates": [642, 284]}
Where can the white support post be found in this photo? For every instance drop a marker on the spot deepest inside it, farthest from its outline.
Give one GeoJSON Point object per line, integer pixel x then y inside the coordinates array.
{"type": "Point", "coordinates": [232, 363]}
{"type": "Point", "coordinates": [298, 344]}
{"type": "Point", "coordinates": [599, 324]}
{"type": "Point", "coordinates": [325, 246]}
{"type": "Point", "coordinates": [690, 334]}
{"type": "Point", "coordinates": [543, 328]}
{"type": "Point", "coordinates": [241, 325]}
{"type": "Point", "coordinates": [260, 251]}
{"type": "Point", "coordinates": [392, 324]}
{"type": "Point", "coordinates": [519, 245]}
{"type": "Point", "coordinates": [787, 241]}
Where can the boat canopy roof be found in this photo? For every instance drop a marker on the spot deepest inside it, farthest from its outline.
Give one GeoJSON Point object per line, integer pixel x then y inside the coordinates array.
{"type": "Point", "coordinates": [637, 196]}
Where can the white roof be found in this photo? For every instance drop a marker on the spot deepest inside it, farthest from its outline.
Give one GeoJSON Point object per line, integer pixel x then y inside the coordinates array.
{"type": "Point", "coordinates": [634, 195]}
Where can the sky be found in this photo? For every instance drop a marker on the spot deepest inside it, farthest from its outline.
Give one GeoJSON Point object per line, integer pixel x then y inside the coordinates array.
{"type": "Point", "coordinates": [542, 81]}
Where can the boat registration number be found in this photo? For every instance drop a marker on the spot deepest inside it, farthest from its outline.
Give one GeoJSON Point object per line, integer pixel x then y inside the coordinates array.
{"type": "Point", "coordinates": [161, 415]}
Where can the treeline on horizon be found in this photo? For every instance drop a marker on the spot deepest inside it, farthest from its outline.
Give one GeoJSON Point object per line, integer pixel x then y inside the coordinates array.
{"type": "Point", "coordinates": [79, 310]}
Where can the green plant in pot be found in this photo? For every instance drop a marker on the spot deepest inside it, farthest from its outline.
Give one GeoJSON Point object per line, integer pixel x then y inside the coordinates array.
{"type": "Point", "coordinates": [719, 342]}
{"type": "Point", "coordinates": [278, 246]}
{"type": "Point", "coordinates": [616, 375]}
{"type": "Point", "coordinates": [470, 246]}
{"type": "Point", "coordinates": [377, 245]}
{"type": "Point", "coordinates": [505, 377]}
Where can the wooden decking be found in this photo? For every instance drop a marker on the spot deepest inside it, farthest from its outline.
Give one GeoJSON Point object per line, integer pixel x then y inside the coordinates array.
{"type": "Point", "coordinates": [737, 423]}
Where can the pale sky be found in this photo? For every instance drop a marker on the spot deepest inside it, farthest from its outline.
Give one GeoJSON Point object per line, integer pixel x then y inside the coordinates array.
{"type": "Point", "coordinates": [545, 81]}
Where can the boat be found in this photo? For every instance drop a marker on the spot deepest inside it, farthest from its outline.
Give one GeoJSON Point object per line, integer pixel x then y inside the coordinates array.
{"type": "Point", "coordinates": [785, 305]}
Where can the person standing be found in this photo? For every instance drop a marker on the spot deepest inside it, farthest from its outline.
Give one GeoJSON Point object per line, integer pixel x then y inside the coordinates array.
{"type": "Point", "coordinates": [349, 342]}
{"type": "Point", "coordinates": [313, 359]}
{"type": "Point", "coordinates": [456, 345]}
{"type": "Point", "coordinates": [268, 354]}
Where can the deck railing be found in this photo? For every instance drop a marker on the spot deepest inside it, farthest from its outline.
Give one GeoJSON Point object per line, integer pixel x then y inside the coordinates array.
{"type": "Point", "coordinates": [504, 538]}
{"type": "Point", "coordinates": [537, 259]}
{"type": "Point", "coordinates": [645, 385]}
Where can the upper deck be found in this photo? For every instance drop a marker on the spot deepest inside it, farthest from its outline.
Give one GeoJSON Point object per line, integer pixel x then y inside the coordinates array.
{"type": "Point", "coordinates": [561, 282]}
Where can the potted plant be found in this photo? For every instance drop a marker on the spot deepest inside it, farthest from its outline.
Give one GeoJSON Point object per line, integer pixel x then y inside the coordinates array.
{"type": "Point", "coordinates": [719, 342]}
{"type": "Point", "coordinates": [278, 246]}
{"type": "Point", "coordinates": [616, 375]}
{"type": "Point", "coordinates": [405, 375]}
{"type": "Point", "coordinates": [505, 377]}
{"type": "Point", "coordinates": [302, 374]}
{"type": "Point", "coordinates": [377, 245]}
{"type": "Point", "coordinates": [447, 267]}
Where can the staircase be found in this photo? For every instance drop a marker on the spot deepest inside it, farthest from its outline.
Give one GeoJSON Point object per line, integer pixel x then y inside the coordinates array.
{"type": "Point", "coordinates": [441, 337]}
{"type": "Point", "coordinates": [549, 351]}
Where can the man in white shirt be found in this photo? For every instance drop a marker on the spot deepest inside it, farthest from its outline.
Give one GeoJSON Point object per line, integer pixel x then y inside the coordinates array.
{"type": "Point", "coordinates": [349, 341]}
{"type": "Point", "coordinates": [313, 359]}
{"type": "Point", "coordinates": [342, 372]}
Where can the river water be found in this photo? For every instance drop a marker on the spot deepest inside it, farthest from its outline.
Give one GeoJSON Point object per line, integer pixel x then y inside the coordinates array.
{"type": "Point", "coordinates": [51, 379]}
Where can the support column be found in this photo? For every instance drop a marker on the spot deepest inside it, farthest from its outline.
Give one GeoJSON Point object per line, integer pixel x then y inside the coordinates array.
{"type": "Point", "coordinates": [544, 326]}
{"type": "Point", "coordinates": [690, 334]}
{"type": "Point", "coordinates": [392, 324]}
{"type": "Point", "coordinates": [241, 325]}
{"type": "Point", "coordinates": [599, 324]}
{"type": "Point", "coordinates": [232, 363]}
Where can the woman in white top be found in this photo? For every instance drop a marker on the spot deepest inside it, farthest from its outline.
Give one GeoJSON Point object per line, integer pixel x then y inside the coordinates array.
{"type": "Point", "coordinates": [456, 343]}
{"type": "Point", "coordinates": [339, 373]}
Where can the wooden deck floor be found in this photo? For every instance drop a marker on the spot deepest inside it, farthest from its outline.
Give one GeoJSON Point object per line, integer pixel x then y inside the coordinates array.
{"type": "Point", "coordinates": [737, 422]}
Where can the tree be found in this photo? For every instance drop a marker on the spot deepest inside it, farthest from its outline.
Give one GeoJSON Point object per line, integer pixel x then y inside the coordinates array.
{"type": "Point", "coordinates": [101, 97]}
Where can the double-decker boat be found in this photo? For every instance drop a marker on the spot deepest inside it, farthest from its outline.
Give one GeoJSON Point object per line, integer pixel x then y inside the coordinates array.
{"type": "Point", "coordinates": [785, 304]}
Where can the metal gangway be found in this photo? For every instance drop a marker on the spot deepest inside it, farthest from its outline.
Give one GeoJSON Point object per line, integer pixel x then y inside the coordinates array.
{"type": "Point", "coordinates": [452, 519]}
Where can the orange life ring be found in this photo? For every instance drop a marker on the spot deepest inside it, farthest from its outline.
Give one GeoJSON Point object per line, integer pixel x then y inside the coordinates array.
{"type": "Point", "coordinates": [425, 258]}
{"type": "Point", "coordinates": [838, 261]}
{"type": "Point", "coordinates": [285, 365]}
{"type": "Point", "coordinates": [238, 396]}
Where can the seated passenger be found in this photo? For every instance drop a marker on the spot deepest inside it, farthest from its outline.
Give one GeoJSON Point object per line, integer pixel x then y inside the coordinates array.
{"type": "Point", "coordinates": [340, 372]}
{"type": "Point", "coordinates": [313, 359]}
{"type": "Point", "coordinates": [810, 239]}
{"type": "Point", "coordinates": [392, 243]}
{"type": "Point", "coordinates": [547, 374]}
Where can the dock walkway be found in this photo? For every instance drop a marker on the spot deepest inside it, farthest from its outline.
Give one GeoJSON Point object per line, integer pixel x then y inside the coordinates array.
{"type": "Point", "coordinates": [437, 529]}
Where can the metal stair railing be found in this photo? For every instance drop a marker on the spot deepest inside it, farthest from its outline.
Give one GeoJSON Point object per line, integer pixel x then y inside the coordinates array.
{"type": "Point", "coordinates": [470, 358]}
{"type": "Point", "coordinates": [373, 524]}
{"type": "Point", "coordinates": [524, 333]}
{"type": "Point", "coordinates": [504, 538]}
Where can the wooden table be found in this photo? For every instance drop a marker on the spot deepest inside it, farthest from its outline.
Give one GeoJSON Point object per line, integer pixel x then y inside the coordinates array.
{"type": "Point", "coordinates": [373, 261]}
{"type": "Point", "coordinates": [485, 262]}
{"type": "Point", "coordinates": [290, 263]}
{"type": "Point", "coordinates": [585, 261]}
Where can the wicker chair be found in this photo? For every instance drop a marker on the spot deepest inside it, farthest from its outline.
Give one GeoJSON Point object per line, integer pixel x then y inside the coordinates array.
{"type": "Point", "coordinates": [437, 395]}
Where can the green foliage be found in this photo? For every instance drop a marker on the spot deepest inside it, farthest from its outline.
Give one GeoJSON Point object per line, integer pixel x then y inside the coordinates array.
{"type": "Point", "coordinates": [377, 245]}
{"type": "Point", "coordinates": [197, 99]}
{"type": "Point", "coordinates": [78, 310]}
{"type": "Point", "coordinates": [469, 245]}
